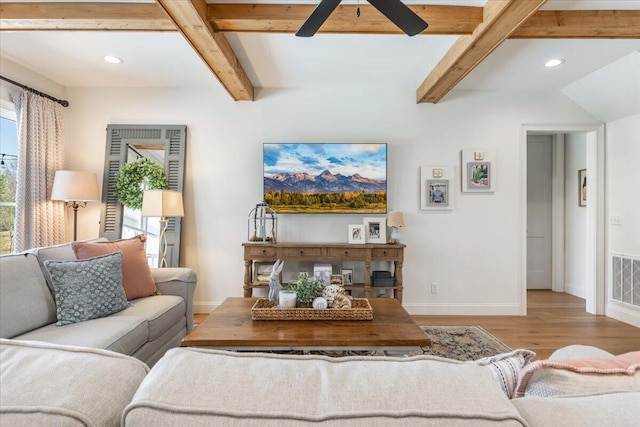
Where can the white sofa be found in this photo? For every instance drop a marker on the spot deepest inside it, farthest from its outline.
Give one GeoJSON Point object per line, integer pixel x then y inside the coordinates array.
{"type": "Point", "coordinates": [45, 384]}
{"type": "Point", "coordinates": [146, 330]}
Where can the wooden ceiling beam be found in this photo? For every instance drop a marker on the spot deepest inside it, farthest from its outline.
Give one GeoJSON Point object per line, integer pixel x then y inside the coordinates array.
{"type": "Point", "coordinates": [83, 16]}
{"type": "Point", "coordinates": [190, 17]}
{"type": "Point", "coordinates": [580, 24]}
{"type": "Point", "coordinates": [501, 18]}
{"type": "Point", "coordinates": [288, 18]}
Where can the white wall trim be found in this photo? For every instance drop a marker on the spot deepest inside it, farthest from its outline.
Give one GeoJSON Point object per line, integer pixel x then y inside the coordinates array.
{"type": "Point", "coordinates": [595, 298]}
{"type": "Point", "coordinates": [624, 313]}
{"type": "Point", "coordinates": [557, 215]}
{"type": "Point", "coordinates": [445, 309]}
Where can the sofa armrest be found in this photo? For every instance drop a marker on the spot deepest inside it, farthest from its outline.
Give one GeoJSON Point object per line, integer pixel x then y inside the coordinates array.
{"type": "Point", "coordinates": [178, 281]}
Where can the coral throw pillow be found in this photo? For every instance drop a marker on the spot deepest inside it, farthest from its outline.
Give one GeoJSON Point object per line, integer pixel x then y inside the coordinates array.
{"type": "Point", "coordinates": [137, 280]}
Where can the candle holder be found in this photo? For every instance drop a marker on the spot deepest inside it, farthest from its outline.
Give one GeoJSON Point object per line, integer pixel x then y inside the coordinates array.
{"type": "Point", "coordinates": [262, 224]}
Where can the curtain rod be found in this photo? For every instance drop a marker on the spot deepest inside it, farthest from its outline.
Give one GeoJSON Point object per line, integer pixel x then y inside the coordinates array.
{"type": "Point", "coordinates": [37, 92]}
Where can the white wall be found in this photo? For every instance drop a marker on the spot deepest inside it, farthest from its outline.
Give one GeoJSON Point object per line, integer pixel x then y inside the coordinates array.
{"type": "Point", "coordinates": [575, 275]}
{"type": "Point", "coordinates": [623, 199]}
{"type": "Point", "coordinates": [472, 252]}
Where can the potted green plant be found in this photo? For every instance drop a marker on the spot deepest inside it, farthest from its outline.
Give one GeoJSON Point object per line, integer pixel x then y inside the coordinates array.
{"type": "Point", "coordinates": [307, 289]}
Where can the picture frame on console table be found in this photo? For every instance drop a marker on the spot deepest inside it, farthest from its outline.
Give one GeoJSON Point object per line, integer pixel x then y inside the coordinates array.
{"type": "Point", "coordinates": [348, 276]}
{"type": "Point", "coordinates": [375, 230]}
{"type": "Point", "coordinates": [356, 234]}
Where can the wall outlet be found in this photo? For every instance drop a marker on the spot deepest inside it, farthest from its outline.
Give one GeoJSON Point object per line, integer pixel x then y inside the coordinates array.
{"type": "Point", "coordinates": [434, 287]}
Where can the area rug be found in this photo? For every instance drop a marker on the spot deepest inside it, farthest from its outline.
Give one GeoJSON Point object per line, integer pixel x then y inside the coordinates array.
{"type": "Point", "coordinates": [462, 342]}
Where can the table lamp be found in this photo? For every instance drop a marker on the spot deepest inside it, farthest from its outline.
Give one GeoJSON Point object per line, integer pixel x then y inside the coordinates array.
{"type": "Point", "coordinates": [163, 204]}
{"type": "Point", "coordinates": [395, 220]}
{"type": "Point", "coordinates": [75, 188]}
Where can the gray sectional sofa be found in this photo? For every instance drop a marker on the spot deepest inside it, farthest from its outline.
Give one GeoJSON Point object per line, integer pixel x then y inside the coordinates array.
{"type": "Point", "coordinates": [146, 330]}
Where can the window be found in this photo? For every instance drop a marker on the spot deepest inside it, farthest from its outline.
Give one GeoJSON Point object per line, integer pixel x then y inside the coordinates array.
{"type": "Point", "coordinates": [8, 165]}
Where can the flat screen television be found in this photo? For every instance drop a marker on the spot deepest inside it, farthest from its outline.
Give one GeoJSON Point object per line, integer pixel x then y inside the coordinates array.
{"type": "Point", "coordinates": [325, 177]}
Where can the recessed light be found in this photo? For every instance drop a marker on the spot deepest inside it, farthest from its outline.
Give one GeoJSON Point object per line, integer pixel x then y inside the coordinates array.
{"type": "Point", "coordinates": [112, 59]}
{"type": "Point", "coordinates": [554, 62]}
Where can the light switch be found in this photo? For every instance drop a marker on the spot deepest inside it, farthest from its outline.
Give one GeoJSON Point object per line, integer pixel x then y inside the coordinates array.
{"type": "Point", "coordinates": [615, 220]}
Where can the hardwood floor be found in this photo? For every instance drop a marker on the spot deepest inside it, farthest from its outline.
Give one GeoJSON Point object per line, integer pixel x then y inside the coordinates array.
{"type": "Point", "coordinates": [553, 320]}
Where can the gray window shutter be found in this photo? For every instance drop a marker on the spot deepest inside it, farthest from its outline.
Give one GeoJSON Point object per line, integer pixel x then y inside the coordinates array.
{"type": "Point", "coordinates": [173, 138]}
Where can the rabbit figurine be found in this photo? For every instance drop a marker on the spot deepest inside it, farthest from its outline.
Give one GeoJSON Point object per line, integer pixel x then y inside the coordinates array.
{"type": "Point", "coordinates": [274, 283]}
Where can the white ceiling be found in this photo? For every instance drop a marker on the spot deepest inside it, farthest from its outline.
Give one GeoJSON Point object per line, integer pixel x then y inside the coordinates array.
{"type": "Point", "coordinates": [286, 61]}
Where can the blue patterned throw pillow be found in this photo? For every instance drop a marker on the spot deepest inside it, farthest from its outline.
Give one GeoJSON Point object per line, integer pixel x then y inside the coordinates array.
{"type": "Point", "coordinates": [87, 289]}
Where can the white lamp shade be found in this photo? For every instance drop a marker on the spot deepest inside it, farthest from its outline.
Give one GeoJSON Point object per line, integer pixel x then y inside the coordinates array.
{"type": "Point", "coordinates": [162, 203]}
{"type": "Point", "coordinates": [395, 219]}
{"type": "Point", "coordinates": [75, 186]}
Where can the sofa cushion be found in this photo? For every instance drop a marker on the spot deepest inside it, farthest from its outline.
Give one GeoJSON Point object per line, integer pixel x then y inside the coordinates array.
{"type": "Point", "coordinates": [207, 387]}
{"type": "Point", "coordinates": [136, 274]}
{"type": "Point", "coordinates": [124, 334]}
{"type": "Point", "coordinates": [617, 409]}
{"type": "Point", "coordinates": [161, 312]}
{"type": "Point", "coordinates": [25, 301]}
{"type": "Point", "coordinates": [580, 377]}
{"type": "Point", "coordinates": [87, 289]}
{"type": "Point", "coordinates": [44, 384]}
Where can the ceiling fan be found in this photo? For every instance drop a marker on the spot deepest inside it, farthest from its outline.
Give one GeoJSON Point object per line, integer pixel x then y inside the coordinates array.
{"type": "Point", "coordinates": [396, 11]}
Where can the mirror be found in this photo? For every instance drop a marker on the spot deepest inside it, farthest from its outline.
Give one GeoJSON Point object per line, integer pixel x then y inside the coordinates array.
{"type": "Point", "coordinates": [165, 144]}
{"type": "Point", "coordinates": [133, 223]}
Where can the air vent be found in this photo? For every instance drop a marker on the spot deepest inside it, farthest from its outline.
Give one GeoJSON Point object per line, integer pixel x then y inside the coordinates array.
{"type": "Point", "coordinates": [625, 272]}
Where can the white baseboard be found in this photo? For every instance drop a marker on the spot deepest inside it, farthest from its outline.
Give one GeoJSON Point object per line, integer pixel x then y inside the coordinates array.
{"type": "Point", "coordinates": [489, 309]}
{"type": "Point", "coordinates": [575, 291]}
{"type": "Point", "coordinates": [204, 307]}
{"type": "Point", "coordinates": [623, 313]}
{"type": "Point", "coordinates": [507, 309]}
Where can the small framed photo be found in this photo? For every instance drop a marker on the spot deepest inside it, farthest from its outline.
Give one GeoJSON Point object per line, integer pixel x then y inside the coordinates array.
{"type": "Point", "coordinates": [478, 170]}
{"type": "Point", "coordinates": [323, 272]}
{"type": "Point", "coordinates": [337, 279]}
{"type": "Point", "coordinates": [262, 272]}
{"type": "Point", "coordinates": [375, 230]}
{"type": "Point", "coordinates": [438, 192]}
{"type": "Point", "coordinates": [356, 234]}
{"type": "Point", "coordinates": [479, 175]}
{"type": "Point", "coordinates": [582, 188]}
{"type": "Point", "coordinates": [347, 273]}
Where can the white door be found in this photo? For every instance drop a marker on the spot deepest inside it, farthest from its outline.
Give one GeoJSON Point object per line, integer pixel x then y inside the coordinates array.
{"type": "Point", "coordinates": [539, 219]}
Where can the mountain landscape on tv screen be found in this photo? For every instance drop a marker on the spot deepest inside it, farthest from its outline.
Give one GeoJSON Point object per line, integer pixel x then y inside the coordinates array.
{"type": "Point", "coordinates": [326, 182]}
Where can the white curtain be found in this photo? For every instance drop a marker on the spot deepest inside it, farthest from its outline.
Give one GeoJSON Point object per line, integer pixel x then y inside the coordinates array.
{"type": "Point", "coordinates": [39, 221]}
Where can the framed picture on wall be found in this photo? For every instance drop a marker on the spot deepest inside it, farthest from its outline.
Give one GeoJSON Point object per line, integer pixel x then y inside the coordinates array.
{"type": "Point", "coordinates": [438, 192]}
{"type": "Point", "coordinates": [582, 187]}
{"type": "Point", "coordinates": [478, 171]}
{"type": "Point", "coordinates": [479, 175]}
{"type": "Point", "coordinates": [437, 188]}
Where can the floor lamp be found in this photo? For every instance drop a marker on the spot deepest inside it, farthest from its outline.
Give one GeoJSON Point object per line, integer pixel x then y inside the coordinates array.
{"type": "Point", "coordinates": [163, 204]}
{"type": "Point", "coordinates": [75, 188]}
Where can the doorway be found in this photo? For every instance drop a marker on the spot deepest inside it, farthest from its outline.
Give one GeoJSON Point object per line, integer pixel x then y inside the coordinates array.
{"type": "Point", "coordinates": [595, 214]}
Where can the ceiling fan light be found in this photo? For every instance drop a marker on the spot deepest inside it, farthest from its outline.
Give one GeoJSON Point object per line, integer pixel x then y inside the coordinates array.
{"type": "Point", "coordinates": [554, 62]}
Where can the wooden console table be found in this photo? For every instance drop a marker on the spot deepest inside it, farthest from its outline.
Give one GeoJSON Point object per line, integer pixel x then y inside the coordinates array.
{"type": "Point", "coordinates": [326, 252]}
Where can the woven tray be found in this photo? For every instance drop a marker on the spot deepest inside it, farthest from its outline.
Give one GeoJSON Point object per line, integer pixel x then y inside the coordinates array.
{"type": "Point", "coordinates": [264, 309]}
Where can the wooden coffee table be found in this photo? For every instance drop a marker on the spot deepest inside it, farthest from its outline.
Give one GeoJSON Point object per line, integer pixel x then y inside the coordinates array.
{"type": "Point", "coordinates": [230, 327]}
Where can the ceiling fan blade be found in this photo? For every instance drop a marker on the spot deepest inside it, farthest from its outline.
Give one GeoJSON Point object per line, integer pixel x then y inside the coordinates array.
{"type": "Point", "coordinates": [398, 13]}
{"type": "Point", "coordinates": [317, 17]}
